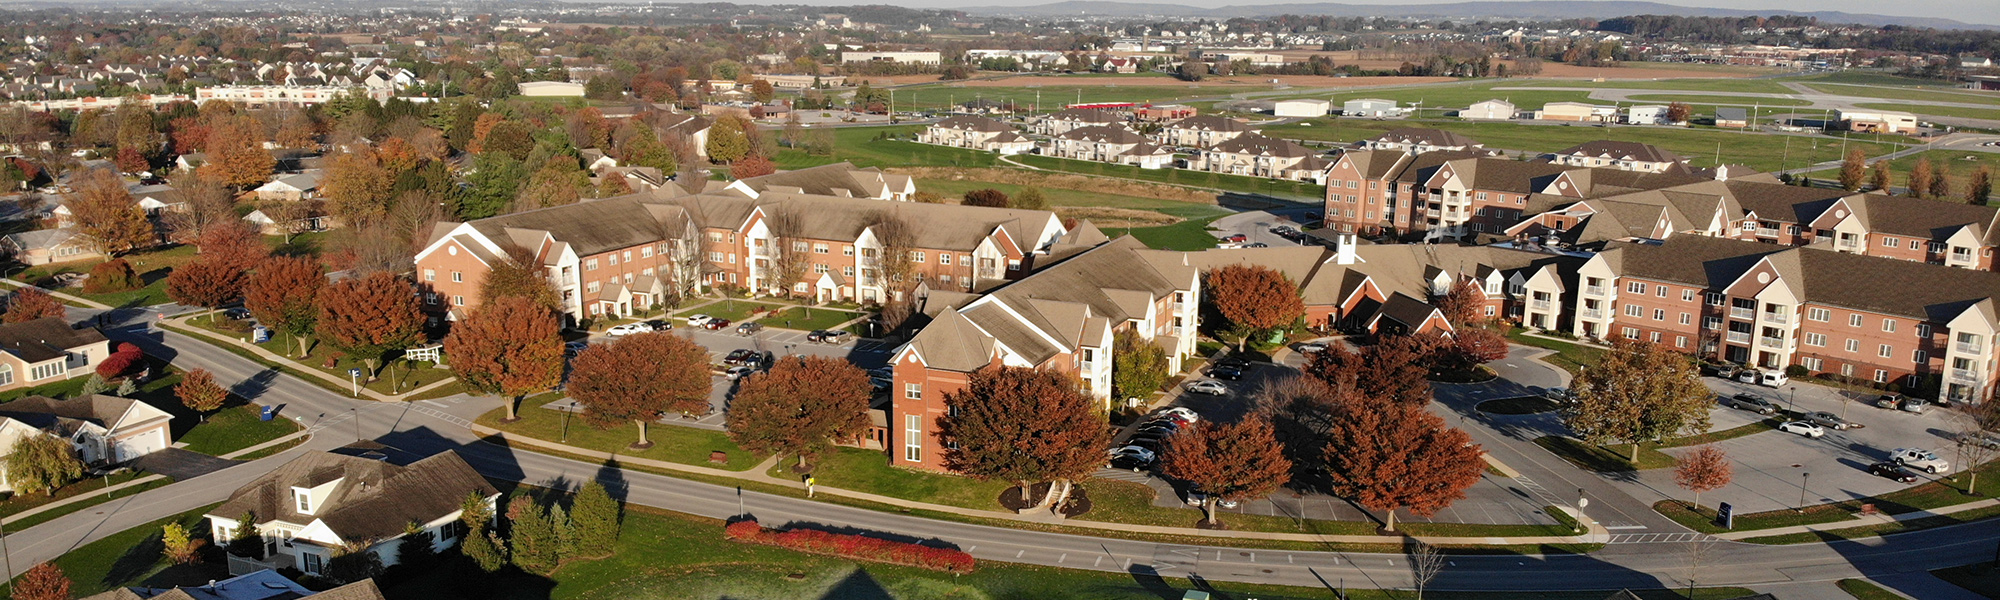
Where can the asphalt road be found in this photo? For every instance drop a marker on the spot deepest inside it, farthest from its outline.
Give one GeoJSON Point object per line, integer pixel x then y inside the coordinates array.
{"type": "Point", "coordinates": [427, 427]}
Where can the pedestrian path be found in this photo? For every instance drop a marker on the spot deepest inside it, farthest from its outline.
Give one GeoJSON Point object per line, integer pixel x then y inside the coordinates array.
{"type": "Point", "coordinates": [181, 324]}
{"type": "Point", "coordinates": [1861, 521]}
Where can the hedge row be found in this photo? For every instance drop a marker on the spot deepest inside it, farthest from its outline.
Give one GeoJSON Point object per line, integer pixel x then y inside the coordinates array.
{"type": "Point", "coordinates": [119, 362]}
{"type": "Point", "coordinates": [859, 547]}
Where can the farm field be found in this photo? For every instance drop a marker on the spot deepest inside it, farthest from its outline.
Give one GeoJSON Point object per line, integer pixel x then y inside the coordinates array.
{"type": "Point", "coordinates": [1759, 151]}
{"type": "Point", "coordinates": [1748, 86]}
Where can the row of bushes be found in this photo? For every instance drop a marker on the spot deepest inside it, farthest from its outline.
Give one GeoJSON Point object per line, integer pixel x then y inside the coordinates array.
{"type": "Point", "coordinates": [859, 547]}
{"type": "Point", "coordinates": [120, 361]}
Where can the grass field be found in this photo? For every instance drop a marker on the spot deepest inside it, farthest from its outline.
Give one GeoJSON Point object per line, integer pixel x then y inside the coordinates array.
{"type": "Point", "coordinates": [868, 147]}
{"type": "Point", "coordinates": [132, 558]}
{"type": "Point", "coordinates": [1939, 111]}
{"type": "Point", "coordinates": [684, 445]}
{"type": "Point", "coordinates": [1957, 166]}
{"type": "Point", "coordinates": [1721, 100]}
{"type": "Point", "coordinates": [153, 266]}
{"type": "Point", "coordinates": [727, 308]}
{"type": "Point", "coordinates": [1701, 145]}
{"type": "Point", "coordinates": [808, 319]}
{"type": "Point", "coordinates": [1906, 93]}
{"type": "Point", "coordinates": [1058, 197]}
{"type": "Point", "coordinates": [1258, 185]}
{"type": "Point", "coordinates": [1188, 235]}
{"type": "Point", "coordinates": [391, 377]}
{"type": "Point", "coordinates": [1869, 78]}
{"type": "Point", "coordinates": [1748, 86]}
{"type": "Point", "coordinates": [1862, 589]}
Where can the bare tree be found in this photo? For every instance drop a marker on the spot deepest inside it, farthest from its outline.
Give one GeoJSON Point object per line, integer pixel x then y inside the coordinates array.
{"type": "Point", "coordinates": [1426, 561]}
{"type": "Point", "coordinates": [896, 237]}
{"type": "Point", "coordinates": [207, 201]}
{"type": "Point", "coordinates": [1976, 441]}
{"type": "Point", "coordinates": [787, 254]}
{"type": "Point", "coordinates": [1695, 553]}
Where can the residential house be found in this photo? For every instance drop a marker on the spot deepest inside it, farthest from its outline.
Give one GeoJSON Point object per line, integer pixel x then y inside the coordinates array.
{"type": "Point", "coordinates": [1202, 131]}
{"type": "Point", "coordinates": [1731, 116]}
{"type": "Point", "coordinates": [841, 179]}
{"type": "Point", "coordinates": [978, 133]}
{"type": "Point", "coordinates": [1489, 110]}
{"type": "Point", "coordinates": [47, 350]}
{"type": "Point", "coordinates": [294, 187]}
{"type": "Point", "coordinates": [1109, 143]}
{"type": "Point", "coordinates": [692, 127]}
{"type": "Point", "coordinates": [1259, 156]}
{"type": "Point", "coordinates": [44, 246]}
{"type": "Point", "coordinates": [1066, 120]}
{"type": "Point", "coordinates": [323, 503]}
{"type": "Point", "coordinates": [1119, 65]}
{"type": "Point", "coordinates": [265, 584]}
{"type": "Point", "coordinates": [103, 429]}
{"type": "Point", "coordinates": [1418, 140]}
{"type": "Point", "coordinates": [1629, 156]}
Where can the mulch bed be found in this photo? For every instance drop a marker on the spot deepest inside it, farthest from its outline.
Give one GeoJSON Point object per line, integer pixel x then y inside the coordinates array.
{"type": "Point", "coordinates": [1077, 504]}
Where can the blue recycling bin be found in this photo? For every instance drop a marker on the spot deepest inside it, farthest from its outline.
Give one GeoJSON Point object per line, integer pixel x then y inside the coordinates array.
{"type": "Point", "coordinates": [268, 413]}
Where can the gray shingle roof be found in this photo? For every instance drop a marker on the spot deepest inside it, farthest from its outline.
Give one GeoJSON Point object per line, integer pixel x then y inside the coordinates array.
{"type": "Point", "coordinates": [45, 338]}
{"type": "Point", "coordinates": [374, 499]}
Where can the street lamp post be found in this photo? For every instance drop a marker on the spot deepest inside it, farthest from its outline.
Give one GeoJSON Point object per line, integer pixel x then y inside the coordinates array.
{"type": "Point", "coordinates": [1803, 479]}
{"type": "Point", "coordinates": [565, 423]}
{"type": "Point", "coordinates": [1795, 398]}
{"type": "Point", "coordinates": [1581, 502]}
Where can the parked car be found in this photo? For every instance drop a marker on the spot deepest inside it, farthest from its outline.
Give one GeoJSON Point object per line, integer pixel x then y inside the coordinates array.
{"type": "Point", "coordinates": [660, 325]}
{"type": "Point", "coordinates": [1888, 401]}
{"type": "Point", "coordinates": [741, 356]}
{"type": "Point", "coordinates": [1156, 446]}
{"type": "Point", "coordinates": [1187, 416]}
{"type": "Point", "coordinates": [1226, 372]}
{"type": "Point", "coordinates": [1312, 347]}
{"type": "Point", "coordinates": [571, 349]}
{"type": "Point", "coordinates": [1207, 386]}
{"type": "Point", "coordinates": [1238, 238]}
{"type": "Point", "coordinates": [1892, 471]}
{"type": "Point", "coordinates": [1132, 457]}
{"type": "Point", "coordinates": [882, 372]}
{"type": "Point", "coordinates": [829, 336]}
{"type": "Point", "coordinates": [1983, 438]}
{"type": "Point", "coordinates": [1725, 370]}
{"type": "Point", "coordinates": [1763, 377]}
{"type": "Point", "coordinates": [1802, 428]}
{"type": "Point", "coordinates": [1832, 420]}
{"type": "Point", "coordinates": [749, 328]}
{"type": "Point", "coordinates": [1195, 497]}
{"type": "Point", "coordinates": [1560, 395]}
{"type": "Point", "coordinates": [715, 324]}
{"type": "Point", "coordinates": [1919, 459]}
{"type": "Point", "coordinates": [1233, 361]}
{"type": "Point", "coordinates": [735, 373]}
{"type": "Point", "coordinates": [1913, 405]}
{"type": "Point", "coordinates": [1166, 429]}
{"type": "Point", "coordinates": [698, 320]}
{"type": "Point", "coordinates": [238, 313]}
{"type": "Point", "coordinates": [628, 329]}
{"type": "Point", "coordinates": [1752, 403]}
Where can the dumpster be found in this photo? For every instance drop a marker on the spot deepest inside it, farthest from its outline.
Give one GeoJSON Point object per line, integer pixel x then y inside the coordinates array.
{"type": "Point", "coordinates": [260, 334]}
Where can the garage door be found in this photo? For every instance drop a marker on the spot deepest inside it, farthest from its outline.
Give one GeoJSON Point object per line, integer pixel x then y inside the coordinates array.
{"type": "Point", "coordinates": [139, 445]}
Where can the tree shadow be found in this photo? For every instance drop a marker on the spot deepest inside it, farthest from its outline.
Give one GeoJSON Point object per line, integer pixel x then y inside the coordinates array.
{"type": "Point", "coordinates": [136, 561]}
{"type": "Point", "coordinates": [857, 585]}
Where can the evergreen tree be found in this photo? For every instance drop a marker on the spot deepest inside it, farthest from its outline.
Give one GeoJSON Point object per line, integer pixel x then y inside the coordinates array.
{"type": "Point", "coordinates": [248, 541]}
{"type": "Point", "coordinates": [595, 521]}
{"type": "Point", "coordinates": [417, 548]}
{"type": "Point", "coordinates": [533, 543]}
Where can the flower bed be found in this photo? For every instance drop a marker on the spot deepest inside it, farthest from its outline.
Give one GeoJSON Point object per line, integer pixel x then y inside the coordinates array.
{"type": "Point", "coordinates": [858, 547]}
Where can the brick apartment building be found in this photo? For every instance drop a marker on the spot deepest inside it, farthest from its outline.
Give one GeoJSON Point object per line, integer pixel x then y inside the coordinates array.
{"type": "Point", "coordinates": [618, 256]}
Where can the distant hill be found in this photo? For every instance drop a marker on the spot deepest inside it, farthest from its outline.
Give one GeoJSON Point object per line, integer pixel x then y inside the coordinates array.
{"type": "Point", "coordinates": [1528, 9]}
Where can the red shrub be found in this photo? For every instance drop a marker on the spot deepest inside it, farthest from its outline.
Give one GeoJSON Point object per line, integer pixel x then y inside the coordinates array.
{"type": "Point", "coordinates": [121, 361]}
{"type": "Point", "coordinates": [854, 546]}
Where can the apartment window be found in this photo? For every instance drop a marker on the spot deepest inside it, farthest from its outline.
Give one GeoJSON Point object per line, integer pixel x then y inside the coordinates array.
{"type": "Point", "coordinates": [1923, 330]}
{"type": "Point", "coordinates": [430, 275]}
{"type": "Point", "coordinates": [715, 257]}
{"type": "Point", "coordinates": [715, 237]}
{"type": "Point", "coordinates": [799, 247]}
{"type": "Point", "coordinates": [1819, 314]}
{"type": "Point", "coordinates": [628, 256]}
{"type": "Point", "coordinates": [1847, 370]}
{"type": "Point", "coordinates": [1889, 325]}
{"type": "Point", "coordinates": [913, 391]}
{"type": "Point", "coordinates": [1711, 322]}
{"type": "Point", "coordinates": [847, 250]}
{"type": "Point", "coordinates": [592, 288]}
{"type": "Point", "coordinates": [1853, 345]}
{"type": "Point", "coordinates": [821, 269]}
{"type": "Point", "coordinates": [590, 265]}
{"type": "Point", "coordinates": [1881, 376]}
{"type": "Point", "coordinates": [1885, 351]}
{"type": "Point", "coordinates": [847, 271]}
{"type": "Point", "coordinates": [965, 259]}
{"type": "Point", "coordinates": [821, 249]}
{"type": "Point", "coordinates": [1659, 314]}
{"type": "Point", "coordinates": [1853, 320]}
{"type": "Point", "coordinates": [1660, 290]}
{"type": "Point", "coordinates": [1489, 311]}
{"type": "Point", "coordinates": [314, 563]}
{"type": "Point", "coordinates": [1920, 357]}
{"type": "Point", "coordinates": [1680, 341]}
{"type": "Point", "coordinates": [1915, 245]}
{"type": "Point", "coordinates": [913, 437]}
{"type": "Point", "coordinates": [1631, 333]}
{"type": "Point", "coordinates": [944, 259]}
{"type": "Point", "coordinates": [1482, 197]}
{"type": "Point", "coordinates": [1686, 318]}
{"type": "Point", "coordinates": [1810, 363]}
{"type": "Point", "coordinates": [40, 372]}
{"type": "Point", "coordinates": [1713, 298]}
{"type": "Point", "coordinates": [1815, 339]}
{"type": "Point", "coordinates": [1889, 242]}
{"type": "Point", "coordinates": [1937, 247]}
{"type": "Point", "coordinates": [1687, 295]}
{"type": "Point", "coordinates": [1013, 265]}
{"type": "Point", "coordinates": [916, 256]}
{"type": "Point", "coordinates": [613, 259]}
{"type": "Point", "coordinates": [1656, 337]}
{"type": "Point", "coordinates": [1636, 287]}
{"type": "Point", "coordinates": [1634, 310]}
{"type": "Point", "coordinates": [732, 258]}
{"type": "Point", "coordinates": [458, 300]}
{"type": "Point", "coordinates": [944, 279]}
{"type": "Point", "coordinates": [457, 277]}
{"type": "Point", "coordinates": [646, 252]}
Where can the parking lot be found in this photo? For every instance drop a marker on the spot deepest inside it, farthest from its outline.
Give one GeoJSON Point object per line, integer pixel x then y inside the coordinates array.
{"type": "Point", "coordinates": [867, 354]}
{"type": "Point", "coordinates": [1771, 467]}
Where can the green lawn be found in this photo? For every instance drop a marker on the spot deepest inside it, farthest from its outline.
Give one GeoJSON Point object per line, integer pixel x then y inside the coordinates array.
{"type": "Point", "coordinates": [1188, 235]}
{"type": "Point", "coordinates": [392, 376]}
{"type": "Point", "coordinates": [1721, 100]}
{"type": "Point", "coordinates": [1256, 185]}
{"type": "Point", "coordinates": [1938, 111]}
{"type": "Point", "coordinates": [667, 555]}
{"type": "Point", "coordinates": [869, 471]}
{"type": "Point", "coordinates": [1933, 95]}
{"type": "Point", "coordinates": [1570, 356]}
{"type": "Point", "coordinates": [132, 558]}
{"type": "Point", "coordinates": [1760, 151]}
{"type": "Point", "coordinates": [1603, 459]}
{"type": "Point", "coordinates": [15, 504]}
{"type": "Point", "coordinates": [671, 443]}
{"type": "Point", "coordinates": [153, 266]}
{"type": "Point", "coordinates": [1866, 531]}
{"type": "Point", "coordinates": [1705, 84]}
{"type": "Point", "coordinates": [232, 428]}
{"type": "Point", "coordinates": [1862, 589]}
{"type": "Point", "coordinates": [805, 318]}
{"type": "Point", "coordinates": [1875, 78]}
{"type": "Point", "coordinates": [728, 308]}
{"type": "Point", "coordinates": [1958, 166]}
{"type": "Point", "coordinates": [867, 147]}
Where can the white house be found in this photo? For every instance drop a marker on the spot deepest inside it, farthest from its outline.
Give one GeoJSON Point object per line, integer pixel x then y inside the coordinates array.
{"type": "Point", "coordinates": [551, 88]}
{"type": "Point", "coordinates": [1371, 107]}
{"type": "Point", "coordinates": [102, 429]}
{"type": "Point", "coordinates": [1301, 108]}
{"type": "Point", "coordinates": [1489, 110]}
{"type": "Point", "coordinates": [323, 502]}
{"type": "Point", "coordinates": [297, 186]}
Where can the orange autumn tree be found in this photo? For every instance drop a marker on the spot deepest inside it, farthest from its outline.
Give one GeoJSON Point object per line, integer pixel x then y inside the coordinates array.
{"type": "Point", "coordinates": [1024, 426]}
{"type": "Point", "coordinates": [1708, 469]}
{"type": "Point", "coordinates": [510, 346]}
{"type": "Point", "coordinates": [1234, 461]}
{"type": "Point", "coordinates": [1390, 456]}
{"type": "Point", "coordinates": [284, 294]}
{"type": "Point", "coordinates": [199, 392]}
{"type": "Point", "coordinates": [28, 304]}
{"type": "Point", "coordinates": [370, 317]}
{"type": "Point", "coordinates": [1253, 299]}
{"type": "Point", "coordinates": [800, 407]}
{"type": "Point", "coordinates": [640, 378]}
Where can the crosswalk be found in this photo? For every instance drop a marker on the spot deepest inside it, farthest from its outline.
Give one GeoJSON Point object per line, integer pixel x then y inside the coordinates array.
{"type": "Point", "coordinates": [1655, 538]}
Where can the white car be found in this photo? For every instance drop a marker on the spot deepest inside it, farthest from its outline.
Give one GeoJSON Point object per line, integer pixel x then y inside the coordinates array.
{"type": "Point", "coordinates": [698, 320]}
{"type": "Point", "coordinates": [1312, 347]}
{"type": "Point", "coordinates": [1919, 459]}
{"type": "Point", "coordinates": [1208, 386]}
{"type": "Point", "coordinates": [1802, 428]}
{"type": "Point", "coordinates": [1764, 377]}
{"type": "Point", "coordinates": [628, 329]}
{"type": "Point", "coordinates": [1180, 412]}
{"type": "Point", "coordinates": [735, 373]}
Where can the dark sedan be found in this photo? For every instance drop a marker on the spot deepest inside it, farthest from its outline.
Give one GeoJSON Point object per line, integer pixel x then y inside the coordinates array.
{"type": "Point", "coordinates": [1892, 471]}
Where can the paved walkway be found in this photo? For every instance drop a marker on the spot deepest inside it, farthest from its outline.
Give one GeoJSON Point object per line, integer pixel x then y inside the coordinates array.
{"type": "Point", "coordinates": [181, 324]}
{"type": "Point", "coordinates": [1860, 521]}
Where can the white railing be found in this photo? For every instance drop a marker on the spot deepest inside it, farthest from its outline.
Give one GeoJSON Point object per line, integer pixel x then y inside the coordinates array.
{"type": "Point", "coordinates": [1593, 313]}
{"type": "Point", "coordinates": [1742, 313]}
{"type": "Point", "coordinates": [1965, 376]}
{"type": "Point", "coordinates": [1849, 243]}
{"type": "Point", "coordinates": [1771, 342]}
{"type": "Point", "coordinates": [1739, 337]}
{"type": "Point", "coordinates": [1965, 348]}
{"type": "Point", "coordinates": [1540, 304]}
{"type": "Point", "coordinates": [1593, 290]}
{"type": "Point", "coordinates": [1777, 317]}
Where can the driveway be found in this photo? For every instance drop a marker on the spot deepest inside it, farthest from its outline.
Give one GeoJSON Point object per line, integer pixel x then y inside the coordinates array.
{"type": "Point", "coordinates": [1771, 467]}
{"type": "Point", "coordinates": [181, 464]}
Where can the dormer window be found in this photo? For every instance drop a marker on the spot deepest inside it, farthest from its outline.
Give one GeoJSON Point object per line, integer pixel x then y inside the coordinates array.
{"type": "Point", "coordinates": [302, 500]}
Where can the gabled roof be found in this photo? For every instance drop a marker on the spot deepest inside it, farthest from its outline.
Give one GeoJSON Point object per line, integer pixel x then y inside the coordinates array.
{"type": "Point", "coordinates": [1254, 144]}
{"type": "Point", "coordinates": [44, 339]}
{"type": "Point", "coordinates": [1424, 136]}
{"type": "Point", "coordinates": [1616, 150]}
{"type": "Point", "coordinates": [65, 416]}
{"type": "Point", "coordinates": [1103, 134]}
{"type": "Point", "coordinates": [373, 500]}
{"type": "Point", "coordinates": [971, 123]}
{"type": "Point", "coordinates": [1210, 123]}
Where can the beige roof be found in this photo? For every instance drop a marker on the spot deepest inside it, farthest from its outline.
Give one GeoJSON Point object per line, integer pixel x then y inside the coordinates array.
{"type": "Point", "coordinates": [374, 499]}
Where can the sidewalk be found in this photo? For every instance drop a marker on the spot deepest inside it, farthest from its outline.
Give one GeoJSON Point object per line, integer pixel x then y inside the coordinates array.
{"type": "Point", "coordinates": [1860, 521]}
{"type": "Point", "coordinates": [758, 474]}
{"type": "Point", "coordinates": [138, 482]}
{"type": "Point", "coordinates": [63, 296]}
{"type": "Point", "coordinates": [267, 356]}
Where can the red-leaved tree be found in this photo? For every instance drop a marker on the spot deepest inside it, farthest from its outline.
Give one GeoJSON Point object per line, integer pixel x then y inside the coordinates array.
{"type": "Point", "coordinates": [1390, 456]}
{"type": "Point", "coordinates": [1025, 426]}
{"type": "Point", "coordinates": [754, 165]}
{"type": "Point", "coordinates": [44, 581]}
{"type": "Point", "coordinates": [1234, 461]}
{"type": "Point", "coordinates": [204, 283]}
{"type": "Point", "coordinates": [27, 304]}
{"type": "Point", "coordinates": [1462, 304]}
{"type": "Point", "coordinates": [1708, 469]}
{"type": "Point", "coordinates": [370, 317]}
{"type": "Point", "coordinates": [800, 407]}
{"type": "Point", "coordinates": [232, 244]}
{"type": "Point", "coordinates": [640, 378]}
{"type": "Point", "coordinates": [1393, 368]}
{"type": "Point", "coordinates": [511, 347]}
{"type": "Point", "coordinates": [1253, 299]}
{"type": "Point", "coordinates": [199, 392]}
{"type": "Point", "coordinates": [284, 294]}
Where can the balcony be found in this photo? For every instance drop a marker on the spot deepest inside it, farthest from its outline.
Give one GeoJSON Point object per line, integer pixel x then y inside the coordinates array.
{"type": "Point", "coordinates": [1965, 348]}
{"type": "Point", "coordinates": [1739, 337]}
{"type": "Point", "coordinates": [1849, 244]}
{"type": "Point", "coordinates": [1777, 317]}
{"type": "Point", "coordinates": [1957, 258]}
{"type": "Point", "coordinates": [1769, 233]}
{"type": "Point", "coordinates": [1966, 376]}
{"type": "Point", "coordinates": [1593, 313]}
{"type": "Point", "coordinates": [1771, 342]}
{"type": "Point", "coordinates": [1593, 290]}
{"type": "Point", "coordinates": [1540, 304]}
{"type": "Point", "coordinates": [1738, 312]}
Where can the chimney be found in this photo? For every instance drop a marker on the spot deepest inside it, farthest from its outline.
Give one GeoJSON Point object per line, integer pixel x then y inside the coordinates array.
{"type": "Point", "coordinates": [1343, 249]}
